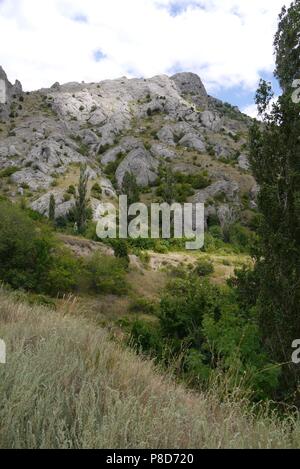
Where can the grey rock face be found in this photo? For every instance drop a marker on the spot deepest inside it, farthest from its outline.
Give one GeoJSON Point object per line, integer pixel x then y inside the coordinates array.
{"type": "Point", "coordinates": [190, 84]}
{"type": "Point", "coordinates": [229, 189]}
{"type": "Point", "coordinates": [192, 141]}
{"type": "Point", "coordinates": [107, 188]}
{"type": "Point", "coordinates": [140, 163]}
{"type": "Point", "coordinates": [32, 178]}
{"type": "Point", "coordinates": [62, 207]}
{"type": "Point", "coordinates": [7, 93]}
{"type": "Point", "coordinates": [227, 215]}
{"type": "Point", "coordinates": [115, 121]}
{"type": "Point", "coordinates": [222, 151]}
{"type": "Point", "coordinates": [166, 135]}
{"type": "Point", "coordinates": [244, 162]}
{"type": "Point", "coordinates": [211, 121]}
{"type": "Point", "coordinates": [126, 144]}
{"type": "Point", "coordinates": [158, 150]}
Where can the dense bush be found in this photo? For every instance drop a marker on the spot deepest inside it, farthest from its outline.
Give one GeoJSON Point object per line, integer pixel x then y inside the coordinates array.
{"type": "Point", "coordinates": [204, 268]}
{"type": "Point", "coordinates": [197, 181]}
{"type": "Point", "coordinates": [30, 257]}
{"type": "Point", "coordinates": [143, 305]}
{"type": "Point", "coordinates": [202, 325]}
{"type": "Point", "coordinates": [25, 251]}
{"type": "Point", "coordinates": [107, 274]}
{"type": "Point", "coordinates": [64, 274]}
{"type": "Point", "coordinates": [241, 237]}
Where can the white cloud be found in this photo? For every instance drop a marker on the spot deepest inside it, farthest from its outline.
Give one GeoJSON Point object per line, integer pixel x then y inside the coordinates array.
{"type": "Point", "coordinates": [252, 110]}
{"type": "Point", "coordinates": [227, 42]}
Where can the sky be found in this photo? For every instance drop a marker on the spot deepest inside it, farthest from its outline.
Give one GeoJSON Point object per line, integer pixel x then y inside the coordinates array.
{"type": "Point", "coordinates": [228, 43]}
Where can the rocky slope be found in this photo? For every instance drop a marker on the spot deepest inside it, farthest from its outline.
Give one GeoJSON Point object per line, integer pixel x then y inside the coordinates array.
{"type": "Point", "coordinates": [123, 125]}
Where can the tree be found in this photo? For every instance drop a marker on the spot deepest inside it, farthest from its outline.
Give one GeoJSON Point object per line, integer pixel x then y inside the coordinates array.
{"type": "Point", "coordinates": [120, 247]}
{"type": "Point", "coordinates": [167, 189]}
{"type": "Point", "coordinates": [52, 208]}
{"type": "Point", "coordinates": [275, 160]}
{"type": "Point", "coordinates": [131, 188]}
{"type": "Point", "coordinates": [81, 201]}
{"type": "Point", "coordinates": [287, 45]}
{"type": "Point", "coordinates": [25, 249]}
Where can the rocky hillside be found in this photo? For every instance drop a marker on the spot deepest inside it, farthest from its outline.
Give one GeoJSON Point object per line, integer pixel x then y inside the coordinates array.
{"type": "Point", "coordinates": [123, 125]}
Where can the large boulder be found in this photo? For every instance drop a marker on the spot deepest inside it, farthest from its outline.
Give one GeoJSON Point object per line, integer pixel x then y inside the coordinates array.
{"type": "Point", "coordinates": [62, 207]}
{"type": "Point", "coordinates": [243, 162]}
{"type": "Point", "coordinates": [193, 142]}
{"type": "Point", "coordinates": [50, 156]}
{"type": "Point", "coordinates": [159, 150]}
{"type": "Point", "coordinates": [228, 189]}
{"type": "Point", "coordinates": [211, 121]}
{"type": "Point", "coordinates": [222, 151]}
{"type": "Point", "coordinates": [126, 144]}
{"type": "Point", "coordinates": [141, 164]}
{"type": "Point", "coordinates": [190, 85]}
{"type": "Point", "coordinates": [32, 178]}
{"type": "Point", "coordinates": [7, 94]}
{"type": "Point", "coordinates": [166, 135]}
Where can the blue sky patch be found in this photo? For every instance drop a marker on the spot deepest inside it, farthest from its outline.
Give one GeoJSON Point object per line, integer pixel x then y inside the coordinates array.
{"type": "Point", "coordinates": [99, 55]}
{"type": "Point", "coordinates": [177, 8]}
{"type": "Point", "coordinates": [80, 18]}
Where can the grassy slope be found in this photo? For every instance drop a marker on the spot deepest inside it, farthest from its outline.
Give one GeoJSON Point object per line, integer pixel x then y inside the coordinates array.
{"type": "Point", "coordinates": [67, 385]}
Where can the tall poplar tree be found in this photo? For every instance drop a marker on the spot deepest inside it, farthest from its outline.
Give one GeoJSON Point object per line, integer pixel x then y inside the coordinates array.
{"type": "Point", "coordinates": [275, 159]}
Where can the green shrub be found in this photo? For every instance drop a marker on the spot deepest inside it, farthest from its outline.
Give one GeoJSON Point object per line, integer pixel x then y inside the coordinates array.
{"type": "Point", "coordinates": [67, 197]}
{"type": "Point", "coordinates": [83, 149]}
{"type": "Point", "coordinates": [146, 337]}
{"type": "Point", "coordinates": [143, 305]}
{"type": "Point", "coordinates": [71, 190]}
{"type": "Point", "coordinates": [241, 237]}
{"type": "Point", "coordinates": [201, 326]}
{"type": "Point", "coordinates": [204, 268]}
{"type": "Point", "coordinates": [107, 275]}
{"type": "Point", "coordinates": [96, 191]}
{"type": "Point", "coordinates": [64, 273]}
{"type": "Point", "coordinates": [121, 251]}
{"type": "Point", "coordinates": [7, 172]}
{"type": "Point", "coordinates": [196, 181]}
{"type": "Point", "coordinates": [25, 251]}
{"type": "Point", "coordinates": [216, 232]}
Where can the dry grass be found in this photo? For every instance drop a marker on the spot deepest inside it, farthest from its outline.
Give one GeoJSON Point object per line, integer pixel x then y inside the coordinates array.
{"type": "Point", "coordinates": [66, 385]}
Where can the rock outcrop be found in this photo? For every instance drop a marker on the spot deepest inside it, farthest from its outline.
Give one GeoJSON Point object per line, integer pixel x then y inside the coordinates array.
{"type": "Point", "coordinates": [8, 92]}
{"type": "Point", "coordinates": [119, 126]}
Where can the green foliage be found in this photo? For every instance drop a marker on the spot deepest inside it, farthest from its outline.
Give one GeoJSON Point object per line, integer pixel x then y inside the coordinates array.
{"type": "Point", "coordinates": [287, 46]}
{"type": "Point", "coordinates": [30, 258]}
{"type": "Point", "coordinates": [64, 273]}
{"type": "Point", "coordinates": [81, 202]}
{"type": "Point", "coordinates": [52, 208]}
{"type": "Point", "coordinates": [242, 237]}
{"type": "Point", "coordinates": [96, 191]}
{"type": "Point", "coordinates": [143, 305]}
{"type": "Point", "coordinates": [121, 250]}
{"type": "Point", "coordinates": [25, 252]}
{"type": "Point", "coordinates": [197, 181]}
{"type": "Point", "coordinates": [71, 190]}
{"type": "Point", "coordinates": [83, 149]}
{"type": "Point", "coordinates": [201, 325]}
{"type": "Point", "coordinates": [7, 172]}
{"type": "Point", "coordinates": [107, 275]}
{"type": "Point", "coordinates": [179, 187]}
{"type": "Point", "coordinates": [204, 268]}
{"type": "Point", "coordinates": [112, 166]}
{"type": "Point", "coordinates": [275, 163]}
{"type": "Point", "coordinates": [131, 188]}
{"type": "Point", "coordinates": [166, 185]}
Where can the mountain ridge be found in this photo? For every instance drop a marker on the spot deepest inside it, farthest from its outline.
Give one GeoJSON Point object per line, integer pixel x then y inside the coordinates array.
{"type": "Point", "coordinates": [118, 126]}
